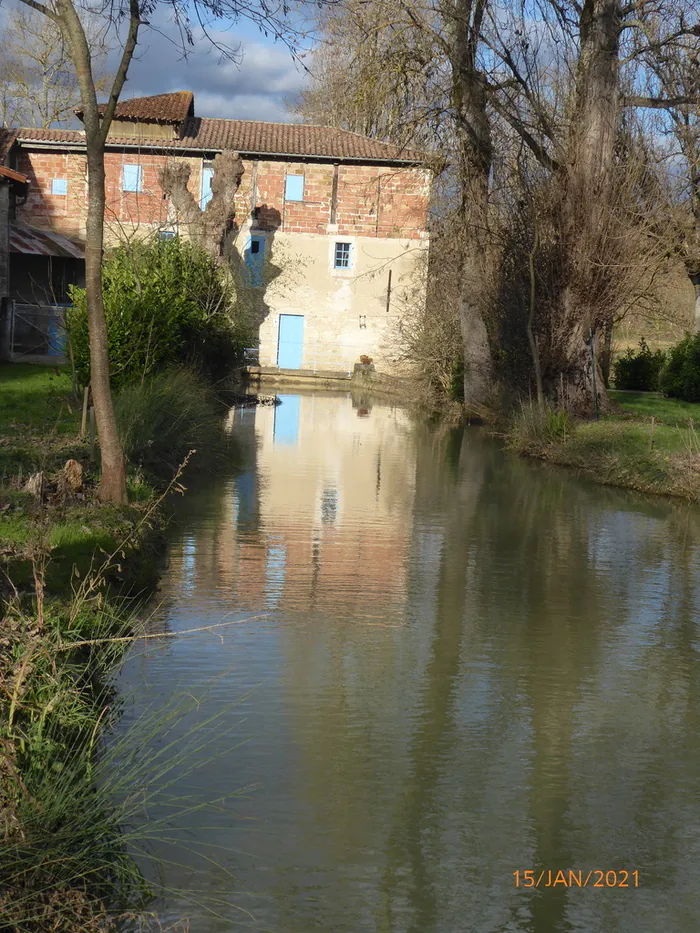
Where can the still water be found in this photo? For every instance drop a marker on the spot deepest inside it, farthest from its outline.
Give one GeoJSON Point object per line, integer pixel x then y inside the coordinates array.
{"type": "Point", "coordinates": [427, 665]}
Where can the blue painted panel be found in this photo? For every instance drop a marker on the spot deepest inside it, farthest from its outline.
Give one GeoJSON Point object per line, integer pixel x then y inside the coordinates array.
{"type": "Point", "coordinates": [286, 429]}
{"type": "Point", "coordinates": [132, 178]}
{"type": "Point", "coordinates": [290, 345]}
{"type": "Point", "coordinates": [294, 188]}
{"type": "Point", "coordinates": [207, 175]}
{"type": "Point", "coordinates": [254, 256]}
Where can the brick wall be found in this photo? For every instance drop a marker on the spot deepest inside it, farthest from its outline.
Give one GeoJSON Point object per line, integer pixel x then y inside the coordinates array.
{"type": "Point", "coordinates": [371, 201]}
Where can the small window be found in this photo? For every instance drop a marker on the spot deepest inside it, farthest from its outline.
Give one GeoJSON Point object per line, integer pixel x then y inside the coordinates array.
{"type": "Point", "coordinates": [294, 188]}
{"type": "Point", "coordinates": [164, 235]}
{"type": "Point", "coordinates": [255, 246]}
{"type": "Point", "coordinates": [132, 178]}
{"type": "Point", "coordinates": [59, 186]}
{"type": "Point", "coordinates": [342, 256]}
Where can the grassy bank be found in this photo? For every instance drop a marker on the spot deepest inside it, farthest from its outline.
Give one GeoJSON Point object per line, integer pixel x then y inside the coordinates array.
{"type": "Point", "coordinates": [39, 434]}
{"type": "Point", "coordinates": [67, 563]}
{"type": "Point", "coordinates": [648, 443]}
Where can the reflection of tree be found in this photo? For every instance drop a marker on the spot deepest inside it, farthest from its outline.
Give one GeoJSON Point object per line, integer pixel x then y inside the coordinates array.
{"type": "Point", "coordinates": [432, 744]}
{"type": "Point", "coordinates": [533, 702]}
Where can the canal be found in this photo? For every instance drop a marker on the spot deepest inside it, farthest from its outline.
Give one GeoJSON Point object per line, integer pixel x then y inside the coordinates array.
{"type": "Point", "coordinates": [408, 666]}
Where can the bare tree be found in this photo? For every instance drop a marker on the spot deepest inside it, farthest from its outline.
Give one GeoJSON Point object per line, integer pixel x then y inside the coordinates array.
{"type": "Point", "coordinates": [126, 17]}
{"type": "Point", "coordinates": [40, 87]}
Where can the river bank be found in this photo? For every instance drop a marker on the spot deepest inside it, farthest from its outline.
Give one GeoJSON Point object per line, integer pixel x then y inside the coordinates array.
{"type": "Point", "coordinates": [649, 444]}
{"type": "Point", "coordinates": [75, 574]}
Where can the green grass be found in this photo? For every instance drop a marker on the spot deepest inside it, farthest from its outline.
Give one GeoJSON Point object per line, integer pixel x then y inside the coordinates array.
{"type": "Point", "coordinates": [624, 448]}
{"type": "Point", "coordinates": [37, 398]}
{"type": "Point", "coordinates": [669, 411]}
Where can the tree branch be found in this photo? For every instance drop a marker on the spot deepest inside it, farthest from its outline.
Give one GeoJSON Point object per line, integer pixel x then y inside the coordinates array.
{"type": "Point", "coordinates": [657, 103]}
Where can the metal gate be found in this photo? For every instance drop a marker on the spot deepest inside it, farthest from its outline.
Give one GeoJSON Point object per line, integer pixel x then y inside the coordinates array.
{"type": "Point", "coordinates": [35, 333]}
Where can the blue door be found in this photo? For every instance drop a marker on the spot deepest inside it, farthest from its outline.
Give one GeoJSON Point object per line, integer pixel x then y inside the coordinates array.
{"type": "Point", "coordinates": [290, 346]}
{"type": "Point", "coordinates": [255, 260]}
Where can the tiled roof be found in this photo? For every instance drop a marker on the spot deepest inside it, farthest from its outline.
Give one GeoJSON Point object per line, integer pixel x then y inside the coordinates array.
{"type": "Point", "coordinates": [160, 108]}
{"type": "Point", "coordinates": [250, 137]}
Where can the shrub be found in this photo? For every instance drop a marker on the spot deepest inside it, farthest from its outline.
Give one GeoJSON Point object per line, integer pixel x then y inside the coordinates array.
{"type": "Point", "coordinates": [164, 417]}
{"type": "Point", "coordinates": [680, 377]}
{"type": "Point", "coordinates": [535, 425]}
{"type": "Point", "coordinates": [166, 302]}
{"type": "Point", "coordinates": [639, 369]}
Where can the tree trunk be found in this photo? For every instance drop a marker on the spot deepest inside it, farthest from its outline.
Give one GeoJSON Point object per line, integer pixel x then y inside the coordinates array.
{"type": "Point", "coordinates": [695, 279]}
{"type": "Point", "coordinates": [113, 472]}
{"type": "Point", "coordinates": [588, 189]}
{"type": "Point", "coordinates": [474, 160]}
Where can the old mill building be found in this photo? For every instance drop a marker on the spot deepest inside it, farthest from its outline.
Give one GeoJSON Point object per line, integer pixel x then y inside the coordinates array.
{"type": "Point", "coordinates": [331, 225]}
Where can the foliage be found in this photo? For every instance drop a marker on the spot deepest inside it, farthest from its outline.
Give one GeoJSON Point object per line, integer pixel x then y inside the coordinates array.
{"type": "Point", "coordinates": [680, 377]}
{"type": "Point", "coordinates": [639, 370]}
{"type": "Point", "coordinates": [166, 302]}
{"type": "Point", "coordinates": [535, 424]}
{"type": "Point", "coordinates": [164, 417]}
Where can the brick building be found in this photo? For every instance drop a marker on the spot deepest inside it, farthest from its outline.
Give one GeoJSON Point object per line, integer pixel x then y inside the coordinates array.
{"type": "Point", "coordinates": [330, 224]}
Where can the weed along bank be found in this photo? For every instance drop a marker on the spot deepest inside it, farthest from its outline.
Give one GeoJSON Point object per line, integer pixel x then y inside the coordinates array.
{"type": "Point", "coordinates": [329, 233]}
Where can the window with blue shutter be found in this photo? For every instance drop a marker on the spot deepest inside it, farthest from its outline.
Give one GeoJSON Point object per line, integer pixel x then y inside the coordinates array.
{"type": "Point", "coordinates": [59, 186]}
{"type": "Point", "coordinates": [132, 177]}
{"type": "Point", "coordinates": [294, 188]}
{"type": "Point", "coordinates": [207, 176]}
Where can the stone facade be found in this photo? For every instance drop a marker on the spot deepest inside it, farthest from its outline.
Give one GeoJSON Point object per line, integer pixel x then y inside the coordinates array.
{"type": "Point", "coordinates": [375, 208]}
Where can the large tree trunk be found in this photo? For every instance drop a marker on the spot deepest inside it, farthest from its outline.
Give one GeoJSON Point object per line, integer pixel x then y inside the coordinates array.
{"type": "Point", "coordinates": [209, 227]}
{"type": "Point", "coordinates": [113, 476]}
{"type": "Point", "coordinates": [587, 194]}
{"type": "Point", "coordinates": [475, 156]}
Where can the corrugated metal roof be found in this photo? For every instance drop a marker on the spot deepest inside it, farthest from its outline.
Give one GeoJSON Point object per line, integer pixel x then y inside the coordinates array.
{"type": "Point", "coordinates": [30, 241]}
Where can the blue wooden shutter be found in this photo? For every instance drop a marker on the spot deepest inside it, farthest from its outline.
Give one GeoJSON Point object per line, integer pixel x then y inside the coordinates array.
{"type": "Point", "coordinates": [294, 188]}
{"type": "Point", "coordinates": [132, 176]}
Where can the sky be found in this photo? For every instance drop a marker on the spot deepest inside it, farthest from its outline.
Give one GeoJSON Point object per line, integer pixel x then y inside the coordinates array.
{"type": "Point", "coordinates": [253, 88]}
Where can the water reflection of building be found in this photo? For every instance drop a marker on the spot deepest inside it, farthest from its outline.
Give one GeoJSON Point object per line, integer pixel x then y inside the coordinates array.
{"type": "Point", "coordinates": [319, 517]}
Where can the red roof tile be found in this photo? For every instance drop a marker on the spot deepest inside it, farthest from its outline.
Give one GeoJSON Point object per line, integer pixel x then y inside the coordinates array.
{"type": "Point", "coordinates": [159, 108]}
{"type": "Point", "coordinates": [250, 137]}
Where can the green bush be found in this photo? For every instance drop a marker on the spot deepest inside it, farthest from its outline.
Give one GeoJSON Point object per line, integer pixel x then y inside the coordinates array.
{"type": "Point", "coordinates": [166, 416]}
{"type": "Point", "coordinates": [165, 303]}
{"type": "Point", "coordinates": [639, 369]}
{"type": "Point", "coordinates": [680, 377]}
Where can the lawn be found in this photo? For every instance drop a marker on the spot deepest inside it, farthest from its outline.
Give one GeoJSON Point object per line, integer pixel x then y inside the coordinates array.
{"type": "Point", "coordinates": [668, 411]}
{"type": "Point", "coordinates": [627, 448]}
{"type": "Point", "coordinates": [37, 399]}
{"type": "Point", "coordinates": [39, 431]}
